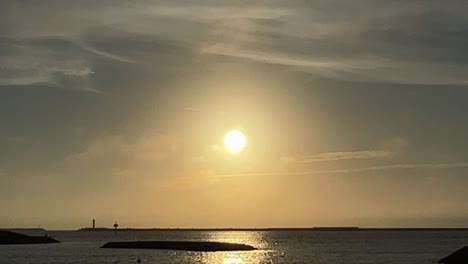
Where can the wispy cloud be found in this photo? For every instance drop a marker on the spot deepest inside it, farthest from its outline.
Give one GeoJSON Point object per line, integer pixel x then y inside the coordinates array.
{"type": "Point", "coordinates": [106, 54]}
{"type": "Point", "coordinates": [195, 109]}
{"type": "Point", "coordinates": [398, 47]}
{"type": "Point", "coordinates": [146, 149]}
{"type": "Point", "coordinates": [363, 154]}
{"type": "Point", "coordinates": [52, 62]}
{"type": "Point", "coordinates": [59, 76]}
{"type": "Point", "coordinates": [357, 170]}
{"type": "Point", "coordinates": [227, 50]}
{"type": "Point", "coordinates": [365, 68]}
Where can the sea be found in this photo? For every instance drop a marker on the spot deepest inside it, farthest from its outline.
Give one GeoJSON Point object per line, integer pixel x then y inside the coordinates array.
{"type": "Point", "coordinates": [350, 247]}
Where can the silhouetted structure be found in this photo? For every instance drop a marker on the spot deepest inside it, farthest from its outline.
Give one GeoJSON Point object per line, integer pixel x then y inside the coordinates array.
{"type": "Point", "coordinates": [12, 238]}
{"type": "Point", "coordinates": [180, 245]}
{"type": "Point", "coordinates": [458, 257]}
{"type": "Point", "coordinates": [95, 229]}
{"type": "Point", "coordinates": [336, 228]}
{"type": "Point", "coordinates": [115, 227]}
{"type": "Point", "coordinates": [94, 223]}
{"type": "Point", "coordinates": [28, 231]}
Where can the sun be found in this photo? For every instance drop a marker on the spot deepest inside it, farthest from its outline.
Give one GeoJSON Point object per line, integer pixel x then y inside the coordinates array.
{"type": "Point", "coordinates": [235, 141]}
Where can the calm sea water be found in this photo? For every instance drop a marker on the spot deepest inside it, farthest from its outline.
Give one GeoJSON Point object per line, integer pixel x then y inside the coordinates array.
{"type": "Point", "coordinates": [275, 247]}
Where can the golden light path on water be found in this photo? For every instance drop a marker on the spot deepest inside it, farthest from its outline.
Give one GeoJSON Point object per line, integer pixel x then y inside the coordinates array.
{"type": "Point", "coordinates": [238, 257]}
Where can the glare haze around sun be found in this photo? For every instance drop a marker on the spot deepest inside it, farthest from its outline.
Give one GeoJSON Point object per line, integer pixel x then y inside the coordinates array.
{"type": "Point", "coordinates": [235, 141]}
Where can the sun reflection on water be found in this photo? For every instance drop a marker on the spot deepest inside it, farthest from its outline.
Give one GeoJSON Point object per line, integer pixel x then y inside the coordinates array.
{"type": "Point", "coordinates": [232, 259]}
{"type": "Point", "coordinates": [256, 239]}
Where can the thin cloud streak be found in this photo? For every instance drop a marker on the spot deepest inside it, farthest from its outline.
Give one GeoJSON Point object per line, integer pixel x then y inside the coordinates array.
{"type": "Point", "coordinates": [106, 54]}
{"type": "Point", "coordinates": [335, 156]}
{"type": "Point", "coordinates": [225, 50]}
{"type": "Point", "coordinates": [356, 170]}
{"type": "Point", "coordinates": [194, 109]}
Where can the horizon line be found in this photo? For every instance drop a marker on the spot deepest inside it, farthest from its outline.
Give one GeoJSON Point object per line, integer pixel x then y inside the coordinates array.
{"type": "Point", "coordinates": [315, 228]}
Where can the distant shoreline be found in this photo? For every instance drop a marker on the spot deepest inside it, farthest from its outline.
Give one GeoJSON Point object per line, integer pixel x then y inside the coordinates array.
{"type": "Point", "coordinates": [349, 229]}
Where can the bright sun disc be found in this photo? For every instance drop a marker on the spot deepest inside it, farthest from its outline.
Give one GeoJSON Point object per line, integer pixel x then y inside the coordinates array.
{"type": "Point", "coordinates": [235, 141]}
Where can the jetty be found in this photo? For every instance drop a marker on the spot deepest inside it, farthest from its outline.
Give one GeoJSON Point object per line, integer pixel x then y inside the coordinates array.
{"type": "Point", "coordinates": [13, 238]}
{"type": "Point", "coordinates": [181, 245]}
{"type": "Point", "coordinates": [458, 257]}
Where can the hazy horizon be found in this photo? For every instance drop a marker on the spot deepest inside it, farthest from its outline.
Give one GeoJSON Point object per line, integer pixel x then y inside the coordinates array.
{"type": "Point", "coordinates": [348, 113]}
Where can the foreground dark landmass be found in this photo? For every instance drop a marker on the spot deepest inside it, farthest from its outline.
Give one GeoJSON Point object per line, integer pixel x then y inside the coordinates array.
{"type": "Point", "coordinates": [12, 238]}
{"type": "Point", "coordinates": [180, 245]}
{"type": "Point", "coordinates": [458, 257]}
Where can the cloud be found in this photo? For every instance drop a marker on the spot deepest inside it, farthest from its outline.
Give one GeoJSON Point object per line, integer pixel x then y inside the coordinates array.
{"type": "Point", "coordinates": [50, 62]}
{"type": "Point", "coordinates": [158, 160]}
{"type": "Point", "coordinates": [122, 150]}
{"type": "Point", "coordinates": [335, 156]}
{"type": "Point", "coordinates": [437, 166]}
{"type": "Point", "coordinates": [157, 147]}
{"type": "Point", "coordinates": [407, 43]}
{"type": "Point", "coordinates": [106, 54]}
{"type": "Point", "coordinates": [196, 109]}
{"type": "Point", "coordinates": [403, 45]}
{"type": "Point", "coordinates": [387, 148]}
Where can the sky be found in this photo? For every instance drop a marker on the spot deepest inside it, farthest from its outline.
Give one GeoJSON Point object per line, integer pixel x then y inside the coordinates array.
{"type": "Point", "coordinates": [354, 113]}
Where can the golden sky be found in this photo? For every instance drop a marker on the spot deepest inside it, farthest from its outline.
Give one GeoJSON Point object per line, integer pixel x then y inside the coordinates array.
{"type": "Point", "coordinates": [354, 113]}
